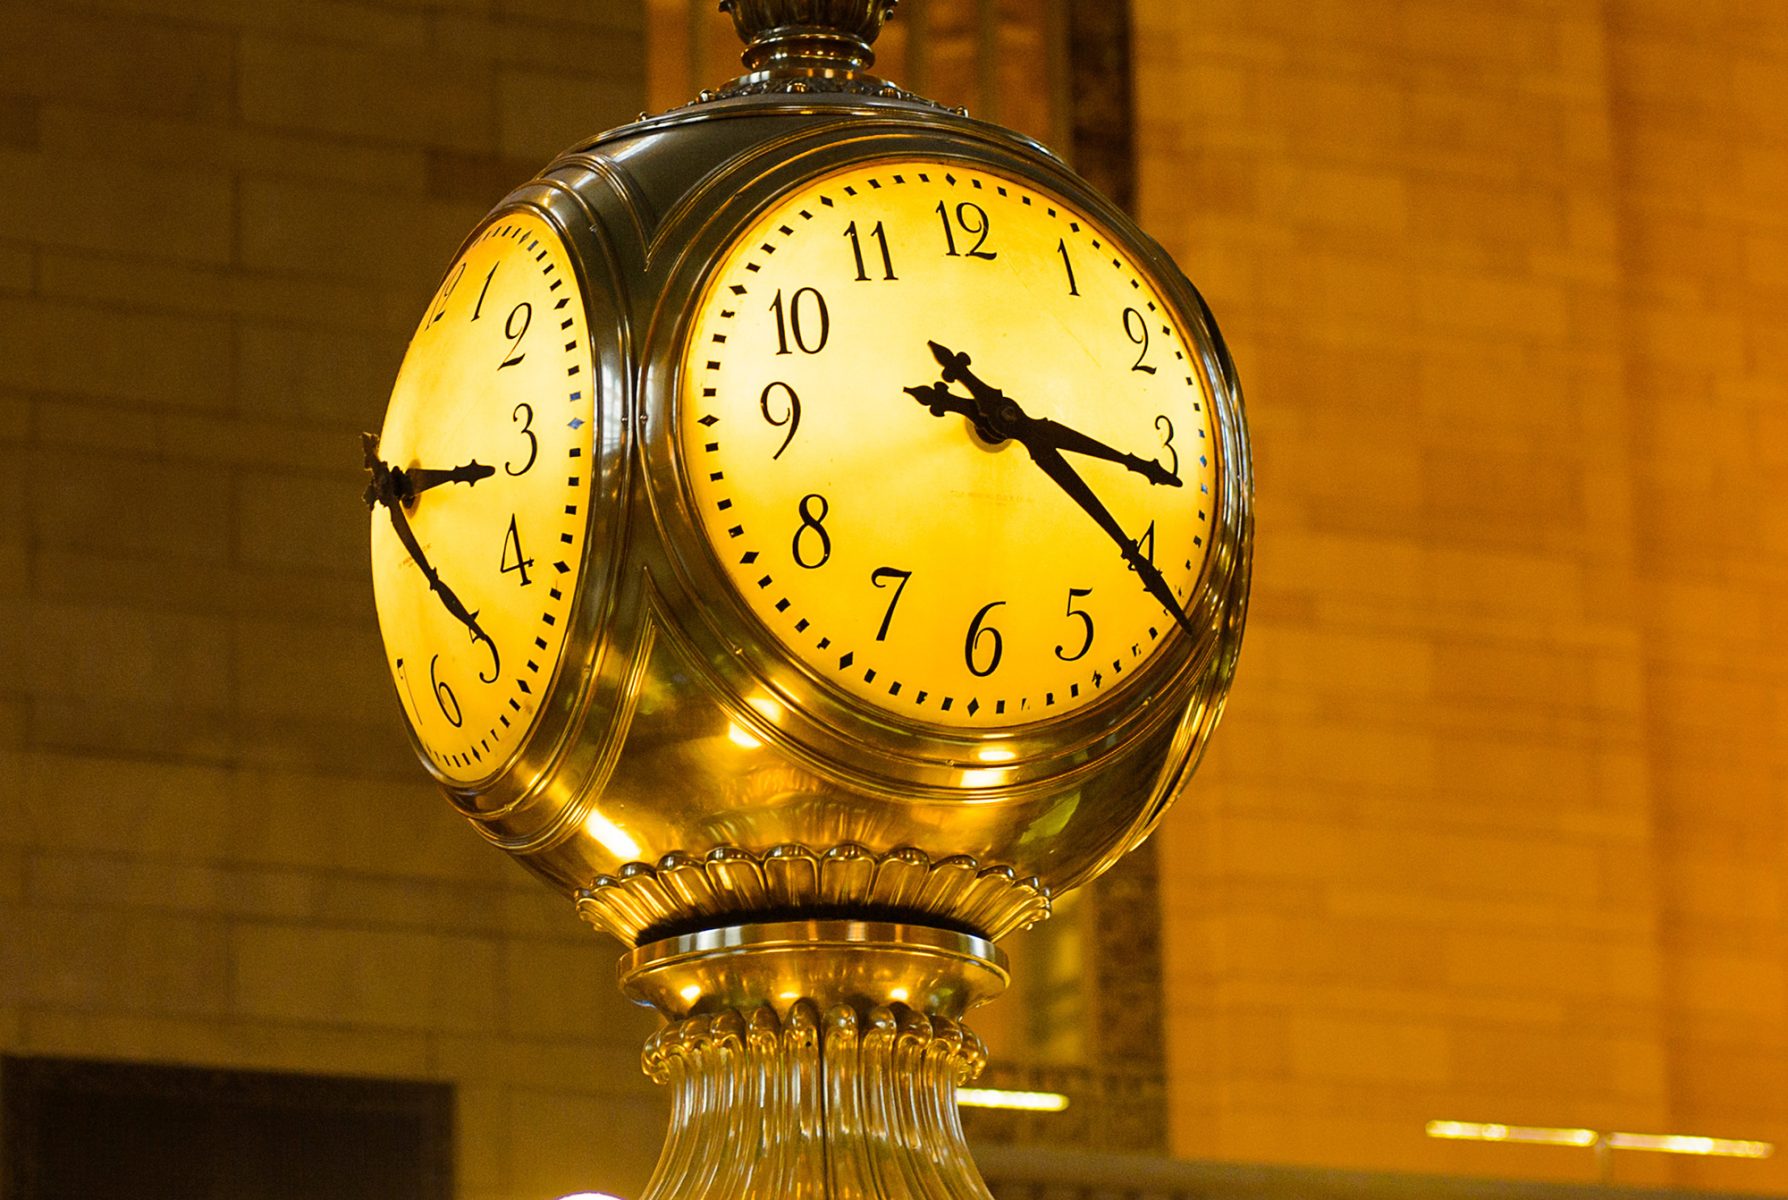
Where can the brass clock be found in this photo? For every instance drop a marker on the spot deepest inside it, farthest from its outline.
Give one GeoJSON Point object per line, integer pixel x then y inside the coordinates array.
{"type": "Point", "coordinates": [810, 470]}
{"type": "Point", "coordinates": [810, 528]}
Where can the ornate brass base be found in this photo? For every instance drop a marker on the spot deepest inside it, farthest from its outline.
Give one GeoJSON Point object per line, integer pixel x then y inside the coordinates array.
{"type": "Point", "coordinates": [815, 1059]}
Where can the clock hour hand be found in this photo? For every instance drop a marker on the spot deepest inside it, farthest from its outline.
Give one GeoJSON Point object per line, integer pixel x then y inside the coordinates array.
{"type": "Point", "coordinates": [940, 400]}
{"type": "Point", "coordinates": [999, 411]}
{"type": "Point", "coordinates": [383, 489]}
{"type": "Point", "coordinates": [1065, 477]}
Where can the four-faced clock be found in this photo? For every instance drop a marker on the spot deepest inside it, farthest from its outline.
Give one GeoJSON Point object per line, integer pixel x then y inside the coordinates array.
{"type": "Point", "coordinates": [480, 491]}
{"type": "Point", "coordinates": [950, 442]}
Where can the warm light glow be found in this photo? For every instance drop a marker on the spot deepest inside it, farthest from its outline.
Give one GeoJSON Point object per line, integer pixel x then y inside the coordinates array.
{"type": "Point", "coordinates": [853, 518]}
{"type": "Point", "coordinates": [996, 754]}
{"type": "Point", "coordinates": [590, 1196]}
{"type": "Point", "coordinates": [690, 992]}
{"type": "Point", "coordinates": [898, 995]}
{"type": "Point", "coordinates": [1677, 1143]}
{"type": "Point", "coordinates": [766, 707]}
{"type": "Point", "coordinates": [999, 1098]}
{"type": "Point", "coordinates": [980, 779]}
{"type": "Point", "coordinates": [741, 739]}
{"type": "Point", "coordinates": [1663, 1143]}
{"type": "Point", "coordinates": [1534, 1134]}
{"type": "Point", "coordinates": [613, 838]}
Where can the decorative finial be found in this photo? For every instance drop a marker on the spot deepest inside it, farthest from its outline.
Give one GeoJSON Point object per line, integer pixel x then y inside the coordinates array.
{"type": "Point", "coordinates": [808, 35]}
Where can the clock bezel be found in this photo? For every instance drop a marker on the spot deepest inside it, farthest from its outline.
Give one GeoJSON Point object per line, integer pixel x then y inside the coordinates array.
{"type": "Point", "coordinates": [553, 738]}
{"type": "Point", "coordinates": [872, 746]}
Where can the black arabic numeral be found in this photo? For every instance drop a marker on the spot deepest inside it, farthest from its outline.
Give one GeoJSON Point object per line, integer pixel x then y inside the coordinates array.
{"type": "Point", "coordinates": [880, 577]}
{"type": "Point", "coordinates": [973, 219]}
{"type": "Point", "coordinates": [525, 311]}
{"type": "Point", "coordinates": [791, 422]}
{"type": "Point", "coordinates": [485, 290]}
{"type": "Point", "coordinates": [789, 321]}
{"type": "Point", "coordinates": [1145, 545]}
{"type": "Point", "coordinates": [527, 431]}
{"type": "Point", "coordinates": [881, 236]}
{"type": "Point", "coordinates": [452, 282]}
{"type": "Point", "coordinates": [496, 660]}
{"type": "Point", "coordinates": [1068, 263]}
{"type": "Point", "coordinates": [1136, 327]}
{"type": "Point", "coordinates": [1167, 444]}
{"type": "Point", "coordinates": [1086, 618]}
{"type": "Point", "coordinates": [978, 631]}
{"type": "Point", "coordinates": [444, 696]}
{"type": "Point", "coordinates": [516, 562]}
{"type": "Point", "coordinates": [815, 522]}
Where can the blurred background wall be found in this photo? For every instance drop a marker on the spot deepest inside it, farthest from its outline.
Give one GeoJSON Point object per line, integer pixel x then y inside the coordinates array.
{"type": "Point", "coordinates": [1494, 829]}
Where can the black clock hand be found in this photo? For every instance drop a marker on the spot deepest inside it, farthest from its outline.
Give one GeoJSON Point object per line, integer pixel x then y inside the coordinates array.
{"type": "Point", "coordinates": [997, 412]}
{"type": "Point", "coordinates": [383, 490]}
{"type": "Point", "coordinates": [1057, 468]}
{"type": "Point", "coordinates": [417, 480]}
{"type": "Point", "coordinates": [1002, 414]}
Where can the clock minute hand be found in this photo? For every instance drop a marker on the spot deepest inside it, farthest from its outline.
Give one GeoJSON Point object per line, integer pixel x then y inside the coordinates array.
{"type": "Point", "coordinates": [1062, 437]}
{"type": "Point", "coordinates": [383, 489]}
{"type": "Point", "coordinates": [1065, 477]}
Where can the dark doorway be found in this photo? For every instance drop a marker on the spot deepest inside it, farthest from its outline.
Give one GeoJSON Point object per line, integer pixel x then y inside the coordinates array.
{"type": "Point", "coordinates": [77, 1130]}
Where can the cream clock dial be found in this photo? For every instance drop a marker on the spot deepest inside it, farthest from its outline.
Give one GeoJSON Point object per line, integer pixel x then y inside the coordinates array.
{"type": "Point", "coordinates": [950, 443]}
{"type": "Point", "coordinates": [480, 494]}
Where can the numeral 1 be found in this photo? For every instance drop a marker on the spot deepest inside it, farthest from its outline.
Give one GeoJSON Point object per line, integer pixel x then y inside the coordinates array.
{"type": "Point", "coordinates": [1062, 247]}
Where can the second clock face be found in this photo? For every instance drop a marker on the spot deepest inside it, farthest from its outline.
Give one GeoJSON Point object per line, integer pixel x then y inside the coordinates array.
{"type": "Point", "coordinates": [950, 443]}
{"type": "Point", "coordinates": [478, 549]}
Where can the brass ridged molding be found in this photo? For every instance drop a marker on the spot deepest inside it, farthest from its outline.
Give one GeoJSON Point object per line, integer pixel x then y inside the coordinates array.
{"type": "Point", "coordinates": [683, 890]}
{"type": "Point", "coordinates": [842, 1085]}
{"type": "Point", "coordinates": [848, 1102]}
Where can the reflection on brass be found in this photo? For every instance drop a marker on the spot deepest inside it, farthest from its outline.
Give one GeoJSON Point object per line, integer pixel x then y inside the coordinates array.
{"type": "Point", "coordinates": [730, 882]}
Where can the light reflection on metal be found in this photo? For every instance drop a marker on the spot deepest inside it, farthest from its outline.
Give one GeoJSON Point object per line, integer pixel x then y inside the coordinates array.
{"type": "Point", "coordinates": [1020, 1101]}
{"type": "Point", "coordinates": [612, 837]}
{"type": "Point", "coordinates": [1663, 1143]}
{"type": "Point", "coordinates": [741, 739]}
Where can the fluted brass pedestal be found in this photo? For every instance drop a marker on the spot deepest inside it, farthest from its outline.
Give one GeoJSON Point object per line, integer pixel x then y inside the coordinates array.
{"type": "Point", "coordinates": [815, 1059]}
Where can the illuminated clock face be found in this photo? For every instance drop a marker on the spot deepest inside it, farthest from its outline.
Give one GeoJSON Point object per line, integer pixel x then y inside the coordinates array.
{"type": "Point", "coordinates": [950, 443]}
{"type": "Point", "coordinates": [480, 492]}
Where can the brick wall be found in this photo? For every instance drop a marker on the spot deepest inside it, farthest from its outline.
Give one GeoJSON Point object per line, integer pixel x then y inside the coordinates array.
{"type": "Point", "coordinates": [1494, 829]}
{"type": "Point", "coordinates": [218, 222]}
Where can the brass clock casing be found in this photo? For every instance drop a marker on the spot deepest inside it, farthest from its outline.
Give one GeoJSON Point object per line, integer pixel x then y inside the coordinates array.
{"type": "Point", "coordinates": [686, 769]}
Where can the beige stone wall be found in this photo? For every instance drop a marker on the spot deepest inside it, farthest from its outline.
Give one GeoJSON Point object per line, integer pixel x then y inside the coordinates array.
{"type": "Point", "coordinates": [1494, 829]}
{"type": "Point", "coordinates": [218, 221]}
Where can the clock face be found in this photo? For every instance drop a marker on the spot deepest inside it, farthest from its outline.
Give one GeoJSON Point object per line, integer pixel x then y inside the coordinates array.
{"type": "Point", "coordinates": [950, 443]}
{"type": "Point", "coordinates": [485, 457]}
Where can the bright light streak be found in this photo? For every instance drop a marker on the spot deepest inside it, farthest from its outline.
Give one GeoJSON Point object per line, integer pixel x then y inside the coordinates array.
{"type": "Point", "coordinates": [690, 992]}
{"type": "Point", "coordinates": [589, 1196]}
{"type": "Point", "coordinates": [1533, 1134]}
{"type": "Point", "coordinates": [998, 1098]}
{"type": "Point", "coordinates": [996, 754]}
{"type": "Point", "coordinates": [614, 839]}
{"type": "Point", "coordinates": [1662, 1143]}
{"type": "Point", "coordinates": [741, 739]}
{"type": "Point", "coordinates": [1680, 1143]}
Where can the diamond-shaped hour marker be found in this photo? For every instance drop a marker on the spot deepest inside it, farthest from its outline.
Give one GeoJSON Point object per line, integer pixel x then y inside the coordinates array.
{"type": "Point", "coordinates": [708, 420]}
{"type": "Point", "coordinates": [576, 423]}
